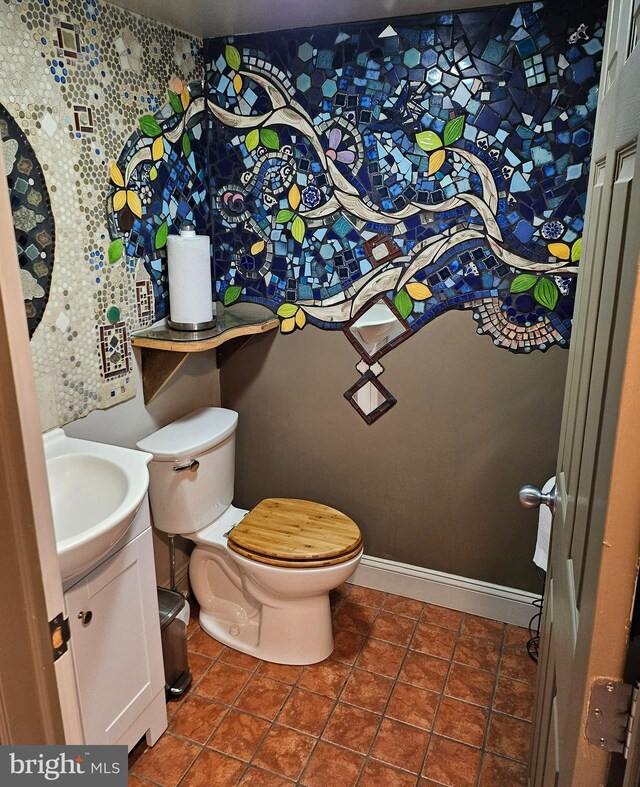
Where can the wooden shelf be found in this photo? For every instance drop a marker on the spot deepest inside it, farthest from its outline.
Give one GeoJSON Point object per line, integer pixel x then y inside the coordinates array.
{"type": "Point", "coordinates": [164, 350]}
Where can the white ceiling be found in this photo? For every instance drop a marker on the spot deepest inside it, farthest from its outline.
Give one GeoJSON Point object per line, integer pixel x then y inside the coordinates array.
{"type": "Point", "coordinates": [210, 18]}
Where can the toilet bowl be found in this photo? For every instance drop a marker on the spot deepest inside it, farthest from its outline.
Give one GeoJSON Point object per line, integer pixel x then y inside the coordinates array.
{"type": "Point", "coordinates": [262, 577]}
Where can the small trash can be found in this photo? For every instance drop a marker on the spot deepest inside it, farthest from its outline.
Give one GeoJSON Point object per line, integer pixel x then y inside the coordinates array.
{"type": "Point", "coordinates": [174, 616]}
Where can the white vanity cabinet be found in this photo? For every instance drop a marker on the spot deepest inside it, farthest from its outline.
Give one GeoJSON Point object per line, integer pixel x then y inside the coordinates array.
{"type": "Point", "coordinates": [115, 643]}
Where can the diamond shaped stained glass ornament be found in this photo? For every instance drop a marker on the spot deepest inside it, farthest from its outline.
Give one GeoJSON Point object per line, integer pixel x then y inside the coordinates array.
{"type": "Point", "coordinates": [369, 398]}
{"type": "Point", "coordinates": [376, 329]}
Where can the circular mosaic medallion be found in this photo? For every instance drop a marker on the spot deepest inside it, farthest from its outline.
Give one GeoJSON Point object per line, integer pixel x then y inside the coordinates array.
{"type": "Point", "coordinates": [32, 218]}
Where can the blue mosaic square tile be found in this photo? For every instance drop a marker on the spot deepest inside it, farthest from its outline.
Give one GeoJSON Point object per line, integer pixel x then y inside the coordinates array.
{"type": "Point", "coordinates": [452, 134]}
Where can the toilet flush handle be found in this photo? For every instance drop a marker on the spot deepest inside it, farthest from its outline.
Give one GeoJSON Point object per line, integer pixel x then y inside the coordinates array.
{"type": "Point", "coordinates": [193, 465]}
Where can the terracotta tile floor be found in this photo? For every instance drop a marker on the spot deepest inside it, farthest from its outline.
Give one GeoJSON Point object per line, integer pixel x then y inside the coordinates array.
{"type": "Point", "coordinates": [413, 694]}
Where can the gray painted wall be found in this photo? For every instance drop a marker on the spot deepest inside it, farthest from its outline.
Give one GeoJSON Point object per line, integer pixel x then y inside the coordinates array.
{"type": "Point", "coordinates": [434, 482]}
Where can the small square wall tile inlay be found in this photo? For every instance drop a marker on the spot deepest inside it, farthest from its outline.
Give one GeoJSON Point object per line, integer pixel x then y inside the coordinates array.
{"type": "Point", "coordinates": [144, 299]}
{"type": "Point", "coordinates": [68, 40]}
{"type": "Point", "coordinates": [115, 352]}
{"type": "Point", "coordinates": [83, 119]}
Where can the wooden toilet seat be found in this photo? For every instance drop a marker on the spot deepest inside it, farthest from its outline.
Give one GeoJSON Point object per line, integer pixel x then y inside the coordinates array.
{"type": "Point", "coordinates": [296, 534]}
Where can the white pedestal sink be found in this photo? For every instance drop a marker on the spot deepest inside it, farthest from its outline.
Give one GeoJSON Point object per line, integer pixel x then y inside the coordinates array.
{"type": "Point", "coordinates": [96, 491]}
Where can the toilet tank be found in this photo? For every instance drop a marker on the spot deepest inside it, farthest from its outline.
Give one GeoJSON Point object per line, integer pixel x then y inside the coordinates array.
{"type": "Point", "coordinates": [192, 473]}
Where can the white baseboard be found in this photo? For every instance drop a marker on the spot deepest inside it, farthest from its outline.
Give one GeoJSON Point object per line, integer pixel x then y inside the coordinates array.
{"type": "Point", "coordinates": [446, 590]}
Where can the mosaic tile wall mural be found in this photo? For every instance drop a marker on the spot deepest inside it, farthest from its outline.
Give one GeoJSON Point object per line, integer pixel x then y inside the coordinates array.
{"type": "Point", "coordinates": [370, 177]}
{"type": "Point", "coordinates": [32, 217]}
{"type": "Point", "coordinates": [76, 77]}
{"type": "Point", "coordinates": [159, 183]}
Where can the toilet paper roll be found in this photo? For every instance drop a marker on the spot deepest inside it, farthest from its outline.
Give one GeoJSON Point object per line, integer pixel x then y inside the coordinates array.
{"type": "Point", "coordinates": [545, 520]}
{"type": "Point", "coordinates": [190, 295]}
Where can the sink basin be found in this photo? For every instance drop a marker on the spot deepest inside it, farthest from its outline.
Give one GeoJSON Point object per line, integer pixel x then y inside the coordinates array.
{"type": "Point", "coordinates": [375, 324]}
{"type": "Point", "coordinates": [96, 491]}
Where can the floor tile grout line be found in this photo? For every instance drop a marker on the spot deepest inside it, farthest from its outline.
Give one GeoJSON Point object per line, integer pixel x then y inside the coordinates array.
{"type": "Point", "coordinates": [231, 706]}
{"type": "Point", "coordinates": [260, 742]}
{"type": "Point", "coordinates": [275, 721]}
{"type": "Point", "coordinates": [442, 694]}
{"type": "Point", "coordinates": [335, 705]}
{"type": "Point", "coordinates": [317, 738]}
{"type": "Point", "coordinates": [461, 633]}
{"type": "Point", "coordinates": [351, 667]}
{"type": "Point", "coordinates": [272, 722]}
{"type": "Point", "coordinates": [386, 706]}
{"type": "Point", "coordinates": [383, 715]}
{"type": "Point", "coordinates": [485, 738]}
{"type": "Point", "coordinates": [368, 755]}
{"type": "Point", "coordinates": [188, 768]}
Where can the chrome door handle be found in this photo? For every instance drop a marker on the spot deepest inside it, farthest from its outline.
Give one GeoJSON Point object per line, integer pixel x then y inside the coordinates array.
{"type": "Point", "coordinates": [532, 497]}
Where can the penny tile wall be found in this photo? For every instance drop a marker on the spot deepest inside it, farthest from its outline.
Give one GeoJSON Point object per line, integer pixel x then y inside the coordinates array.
{"type": "Point", "coordinates": [76, 77]}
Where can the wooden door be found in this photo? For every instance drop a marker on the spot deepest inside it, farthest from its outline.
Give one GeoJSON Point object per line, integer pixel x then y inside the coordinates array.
{"type": "Point", "coordinates": [596, 529]}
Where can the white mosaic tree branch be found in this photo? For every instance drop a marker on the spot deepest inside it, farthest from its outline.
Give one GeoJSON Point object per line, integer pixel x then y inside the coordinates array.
{"type": "Point", "coordinates": [396, 274]}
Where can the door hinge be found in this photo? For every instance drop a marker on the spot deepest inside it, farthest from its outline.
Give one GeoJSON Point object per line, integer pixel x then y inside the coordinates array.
{"type": "Point", "coordinates": [611, 715]}
{"type": "Point", "coordinates": [60, 635]}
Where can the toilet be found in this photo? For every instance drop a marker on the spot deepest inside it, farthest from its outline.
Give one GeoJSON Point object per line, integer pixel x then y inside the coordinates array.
{"type": "Point", "coordinates": [261, 577]}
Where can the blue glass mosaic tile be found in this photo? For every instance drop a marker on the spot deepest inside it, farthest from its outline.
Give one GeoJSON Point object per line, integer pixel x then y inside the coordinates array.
{"type": "Point", "coordinates": [449, 151]}
{"type": "Point", "coordinates": [32, 218]}
{"type": "Point", "coordinates": [159, 183]}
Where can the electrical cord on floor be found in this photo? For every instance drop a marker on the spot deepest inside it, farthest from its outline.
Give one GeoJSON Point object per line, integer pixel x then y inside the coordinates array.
{"type": "Point", "coordinates": [533, 644]}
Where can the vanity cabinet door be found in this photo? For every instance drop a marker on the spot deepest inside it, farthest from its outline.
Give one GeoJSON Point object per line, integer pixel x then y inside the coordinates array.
{"type": "Point", "coordinates": [115, 641]}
